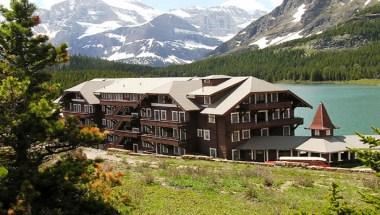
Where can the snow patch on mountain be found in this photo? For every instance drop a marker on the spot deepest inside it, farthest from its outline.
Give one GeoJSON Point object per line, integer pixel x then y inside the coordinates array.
{"type": "Point", "coordinates": [300, 12]}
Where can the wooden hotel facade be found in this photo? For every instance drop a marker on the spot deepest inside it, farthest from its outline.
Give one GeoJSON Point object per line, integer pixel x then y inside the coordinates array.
{"type": "Point", "coordinates": [211, 116]}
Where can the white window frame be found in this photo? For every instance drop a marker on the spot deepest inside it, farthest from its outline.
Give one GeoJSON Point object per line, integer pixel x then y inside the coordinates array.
{"type": "Point", "coordinates": [199, 132]}
{"type": "Point", "coordinates": [148, 112]}
{"type": "Point", "coordinates": [180, 114]}
{"type": "Point", "coordinates": [164, 132]}
{"type": "Point", "coordinates": [207, 100]}
{"type": "Point", "coordinates": [283, 131]}
{"type": "Point", "coordinates": [262, 132]}
{"type": "Point", "coordinates": [213, 153]}
{"type": "Point", "coordinates": [276, 114]}
{"type": "Point", "coordinates": [244, 137]}
{"type": "Point", "coordinates": [164, 149]}
{"type": "Point", "coordinates": [175, 133]}
{"type": "Point", "coordinates": [206, 135]}
{"type": "Point", "coordinates": [328, 132]}
{"type": "Point", "coordinates": [275, 95]}
{"type": "Point", "coordinates": [317, 133]}
{"type": "Point", "coordinates": [164, 115]}
{"type": "Point", "coordinates": [175, 116]}
{"type": "Point", "coordinates": [286, 114]}
{"type": "Point", "coordinates": [211, 119]}
{"type": "Point", "coordinates": [158, 114]}
{"type": "Point", "coordinates": [249, 117]}
{"type": "Point", "coordinates": [238, 117]}
{"type": "Point", "coordinates": [233, 135]}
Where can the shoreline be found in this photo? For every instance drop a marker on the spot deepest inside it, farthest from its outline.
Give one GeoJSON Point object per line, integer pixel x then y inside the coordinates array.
{"type": "Point", "coordinates": [368, 82]}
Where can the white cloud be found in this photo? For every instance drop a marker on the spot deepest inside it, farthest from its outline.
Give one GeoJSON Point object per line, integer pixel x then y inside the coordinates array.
{"type": "Point", "coordinates": [252, 5]}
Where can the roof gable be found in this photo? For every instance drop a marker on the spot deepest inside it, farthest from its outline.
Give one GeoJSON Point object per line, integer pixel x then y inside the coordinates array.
{"type": "Point", "coordinates": [322, 120]}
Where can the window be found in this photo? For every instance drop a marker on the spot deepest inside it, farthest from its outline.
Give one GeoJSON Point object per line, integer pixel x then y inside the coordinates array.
{"type": "Point", "coordinates": [142, 112]}
{"type": "Point", "coordinates": [235, 137]}
{"type": "Point", "coordinates": [206, 135]}
{"type": "Point", "coordinates": [286, 130]}
{"type": "Point", "coordinates": [265, 132]}
{"type": "Point", "coordinates": [207, 81]}
{"type": "Point", "coordinates": [316, 132]}
{"type": "Point", "coordinates": [246, 134]}
{"type": "Point", "coordinates": [274, 97]}
{"type": "Point", "coordinates": [199, 133]}
{"type": "Point", "coordinates": [207, 100]}
{"type": "Point", "coordinates": [175, 116]}
{"type": "Point", "coordinates": [261, 98]}
{"type": "Point", "coordinates": [213, 153]}
{"type": "Point", "coordinates": [164, 132]}
{"type": "Point", "coordinates": [182, 116]}
{"type": "Point", "coordinates": [182, 134]}
{"type": "Point", "coordinates": [163, 114]}
{"type": "Point", "coordinates": [175, 133]}
{"type": "Point", "coordinates": [276, 114]}
{"type": "Point", "coordinates": [211, 119]}
{"type": "Point", "coordinates": [177, 151]}
{"type": "Point", "coordinates": [104, 122]}
{"type": "Point", "coordinates": [328, 132]}
{"type": "Point", "coordinates": [246, 117]}
{"type": "Point", "coordinates": [234, 117]}
{"type": "Point", "coordinates": [76, 108]}
{"type": "Point", "coordinates": [164, 149]}
{"type": "Point", "coordinates": [286, 114]}
{"type": "Point", "coordinates": [156, 115]}
{"type": "Point", "coordinates": [148, 113]}
{"type": "Point", "coordinates": [147, 145]}
{"type": "Point", "coordinates": [163, 99]}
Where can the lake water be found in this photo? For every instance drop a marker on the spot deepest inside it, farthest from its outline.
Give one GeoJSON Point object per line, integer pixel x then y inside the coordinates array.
{"type": "Point", "coordinates": [351, 107]}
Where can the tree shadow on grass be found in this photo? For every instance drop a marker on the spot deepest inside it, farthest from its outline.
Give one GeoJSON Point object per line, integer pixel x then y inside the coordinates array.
{"type": "Point", "coordinates": [63, 189]}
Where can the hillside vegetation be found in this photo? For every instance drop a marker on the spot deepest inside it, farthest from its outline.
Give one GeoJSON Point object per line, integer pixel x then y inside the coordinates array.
{"type": "Point", "coordinates": [348, 52]}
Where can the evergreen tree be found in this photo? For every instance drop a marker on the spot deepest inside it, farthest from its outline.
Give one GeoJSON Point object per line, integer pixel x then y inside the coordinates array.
{"type": "Point", "coordinates": [29, 119]}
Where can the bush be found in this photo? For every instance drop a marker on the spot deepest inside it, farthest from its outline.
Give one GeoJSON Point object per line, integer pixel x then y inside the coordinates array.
{"type": "Point", "coordinates": [251, 193]}
{"type": "Point", "coordinates": [268, 181]}
{"type": "Point", "coordinates": [371, 183]}
{"type": "Point", "coordinates": [304, 182]}
{"type": "Point", "coordinates": [163, 165]}
{"type": "Point", "coordinates": [148, 178]}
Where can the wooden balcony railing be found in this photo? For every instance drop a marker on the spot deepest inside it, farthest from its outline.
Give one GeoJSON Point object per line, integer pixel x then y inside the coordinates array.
{"type": "Point", "coordinates": [77, 114]}
{"type": "Point", "coordinates": [165, 124]}
{"type": "Point", "coordinates": [269, 124]}
{"type": "Point", "coordinates": [123, 103]}
{"type": "Point", "coordinates": [124, 118]}
{"type": "Point", "coordinates": [125, 133]}
{"type": "Point", "coordinates": [267, 106]}
{"type": "Point", "coordinates": [162, 140]}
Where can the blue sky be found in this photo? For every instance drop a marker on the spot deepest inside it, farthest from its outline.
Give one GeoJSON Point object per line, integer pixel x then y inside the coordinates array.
{"type": "Point", "coordinates": [165, 5]}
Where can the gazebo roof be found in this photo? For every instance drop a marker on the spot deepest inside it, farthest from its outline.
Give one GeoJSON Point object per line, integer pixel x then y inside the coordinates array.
{"type": "Point", "coordinates": [322, 120]}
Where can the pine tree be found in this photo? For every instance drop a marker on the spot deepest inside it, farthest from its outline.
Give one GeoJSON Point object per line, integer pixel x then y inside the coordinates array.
{"type": "Point", "coordinates": [29, 119]}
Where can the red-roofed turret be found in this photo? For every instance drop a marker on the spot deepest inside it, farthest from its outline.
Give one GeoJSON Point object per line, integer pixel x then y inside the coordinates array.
{"type": "Point", "coordinates": [322, 124]}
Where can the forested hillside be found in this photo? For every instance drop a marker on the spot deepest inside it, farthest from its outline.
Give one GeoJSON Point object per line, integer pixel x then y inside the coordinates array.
{"type": "Point", "coordinates": [80, 69]}
{"type": "Point", "coordinates": [347, 52]}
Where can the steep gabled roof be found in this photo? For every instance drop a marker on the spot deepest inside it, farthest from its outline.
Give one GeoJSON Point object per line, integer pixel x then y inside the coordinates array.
{"type": "Point", "coordinates": [250, 85]}
{"type": "Point", "coordinates": [87, 89]}
{"type": "Point", "coordinates": [211, 90]}
{"type": "Point", "coordinates": [322, 120]}
{"type": "Point", "coordinates": [178, 90]}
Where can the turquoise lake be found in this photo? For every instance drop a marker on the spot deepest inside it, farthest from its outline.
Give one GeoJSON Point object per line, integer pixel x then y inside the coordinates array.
{"type": "Point", "coordinates": [353, 108]}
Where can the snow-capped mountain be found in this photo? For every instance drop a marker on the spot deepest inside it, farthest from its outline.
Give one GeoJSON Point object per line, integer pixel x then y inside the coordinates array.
{"type": "Point", "coordinates": [129, 31]}
{"type": "Point", "coordinates": [222, 22]}
{"type": "Point", "coordinates": [293, 19]}
{"type": "Point", "coordinates": [167, 39]}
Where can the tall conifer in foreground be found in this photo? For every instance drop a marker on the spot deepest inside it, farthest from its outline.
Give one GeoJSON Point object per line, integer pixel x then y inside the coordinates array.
{"type": "Point", "coordinates": [29, 119]}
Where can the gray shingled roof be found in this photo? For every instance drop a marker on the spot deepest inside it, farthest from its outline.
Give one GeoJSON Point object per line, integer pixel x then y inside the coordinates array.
{"type": "Point", "coordinates": [178, 90]}
{"type": "Point", "coordinates": [307, 144]}
{"type": "Point", "coordinates": [87, 89]}
{"type": "Point", "coordinates": [210, 90]}
{"type": "Point", "coordinates": [251, 85]}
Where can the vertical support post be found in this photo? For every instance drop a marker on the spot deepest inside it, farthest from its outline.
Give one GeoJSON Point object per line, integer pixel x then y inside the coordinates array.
{"type": "Point", "coordinates": [252, 155]}
{"type": "Point", "coordinates": [329, 157]}
{"type": "Point", "coordinates": [277, 155]}
{"type": "Point", "coordinates": [339, 156]}
{"type": "Point", "coordinates": [291, 153]}
{"type": "Point", "coordinates": [349, 155]}
{"type": "Point", "coordinates": [267, 155]}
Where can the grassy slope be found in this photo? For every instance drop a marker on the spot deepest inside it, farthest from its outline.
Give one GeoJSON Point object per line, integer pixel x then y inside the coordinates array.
{"type": "Point", "coordinates": [202, 187]}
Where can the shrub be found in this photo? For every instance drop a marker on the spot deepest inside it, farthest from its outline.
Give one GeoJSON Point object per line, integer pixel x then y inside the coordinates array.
{"type": "Point", "coordinates": [251, 193]}
{"type": "Point", "coordinates": [268, 181]}
{"type": "Point", "coordinates": [372, 183]}
{"type": "Point", "coordinates": [304, 182]}
{"type": "Point", "coordinates": [148, 178]}
{"type": "Point", "coordinates": [163, 165]}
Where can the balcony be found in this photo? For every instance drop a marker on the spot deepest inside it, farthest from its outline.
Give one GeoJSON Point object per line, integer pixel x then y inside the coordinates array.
{"type": "Point", "coordinates": [267, 106]}
{"type": "Point", "coordinates": [162, 140]}
{"type": "Point", "coordinates": [165, 124]}
{"type": "Point", "coordinates": [77, 114]}
{"type": "Point", "coordinates": [269, 124]}
{"type": "Point", "coordinates": [123, 118]}
{"type": "Point", "coordinates": [126, 133]}
{"type": "Point", "coordinates": [123, 103]}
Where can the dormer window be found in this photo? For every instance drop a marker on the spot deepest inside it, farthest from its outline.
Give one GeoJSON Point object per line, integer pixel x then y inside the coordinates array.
{"type": "Point", "coordinates": [207, 100]}
{"type": "Point", "coordinates": [207, 81]}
